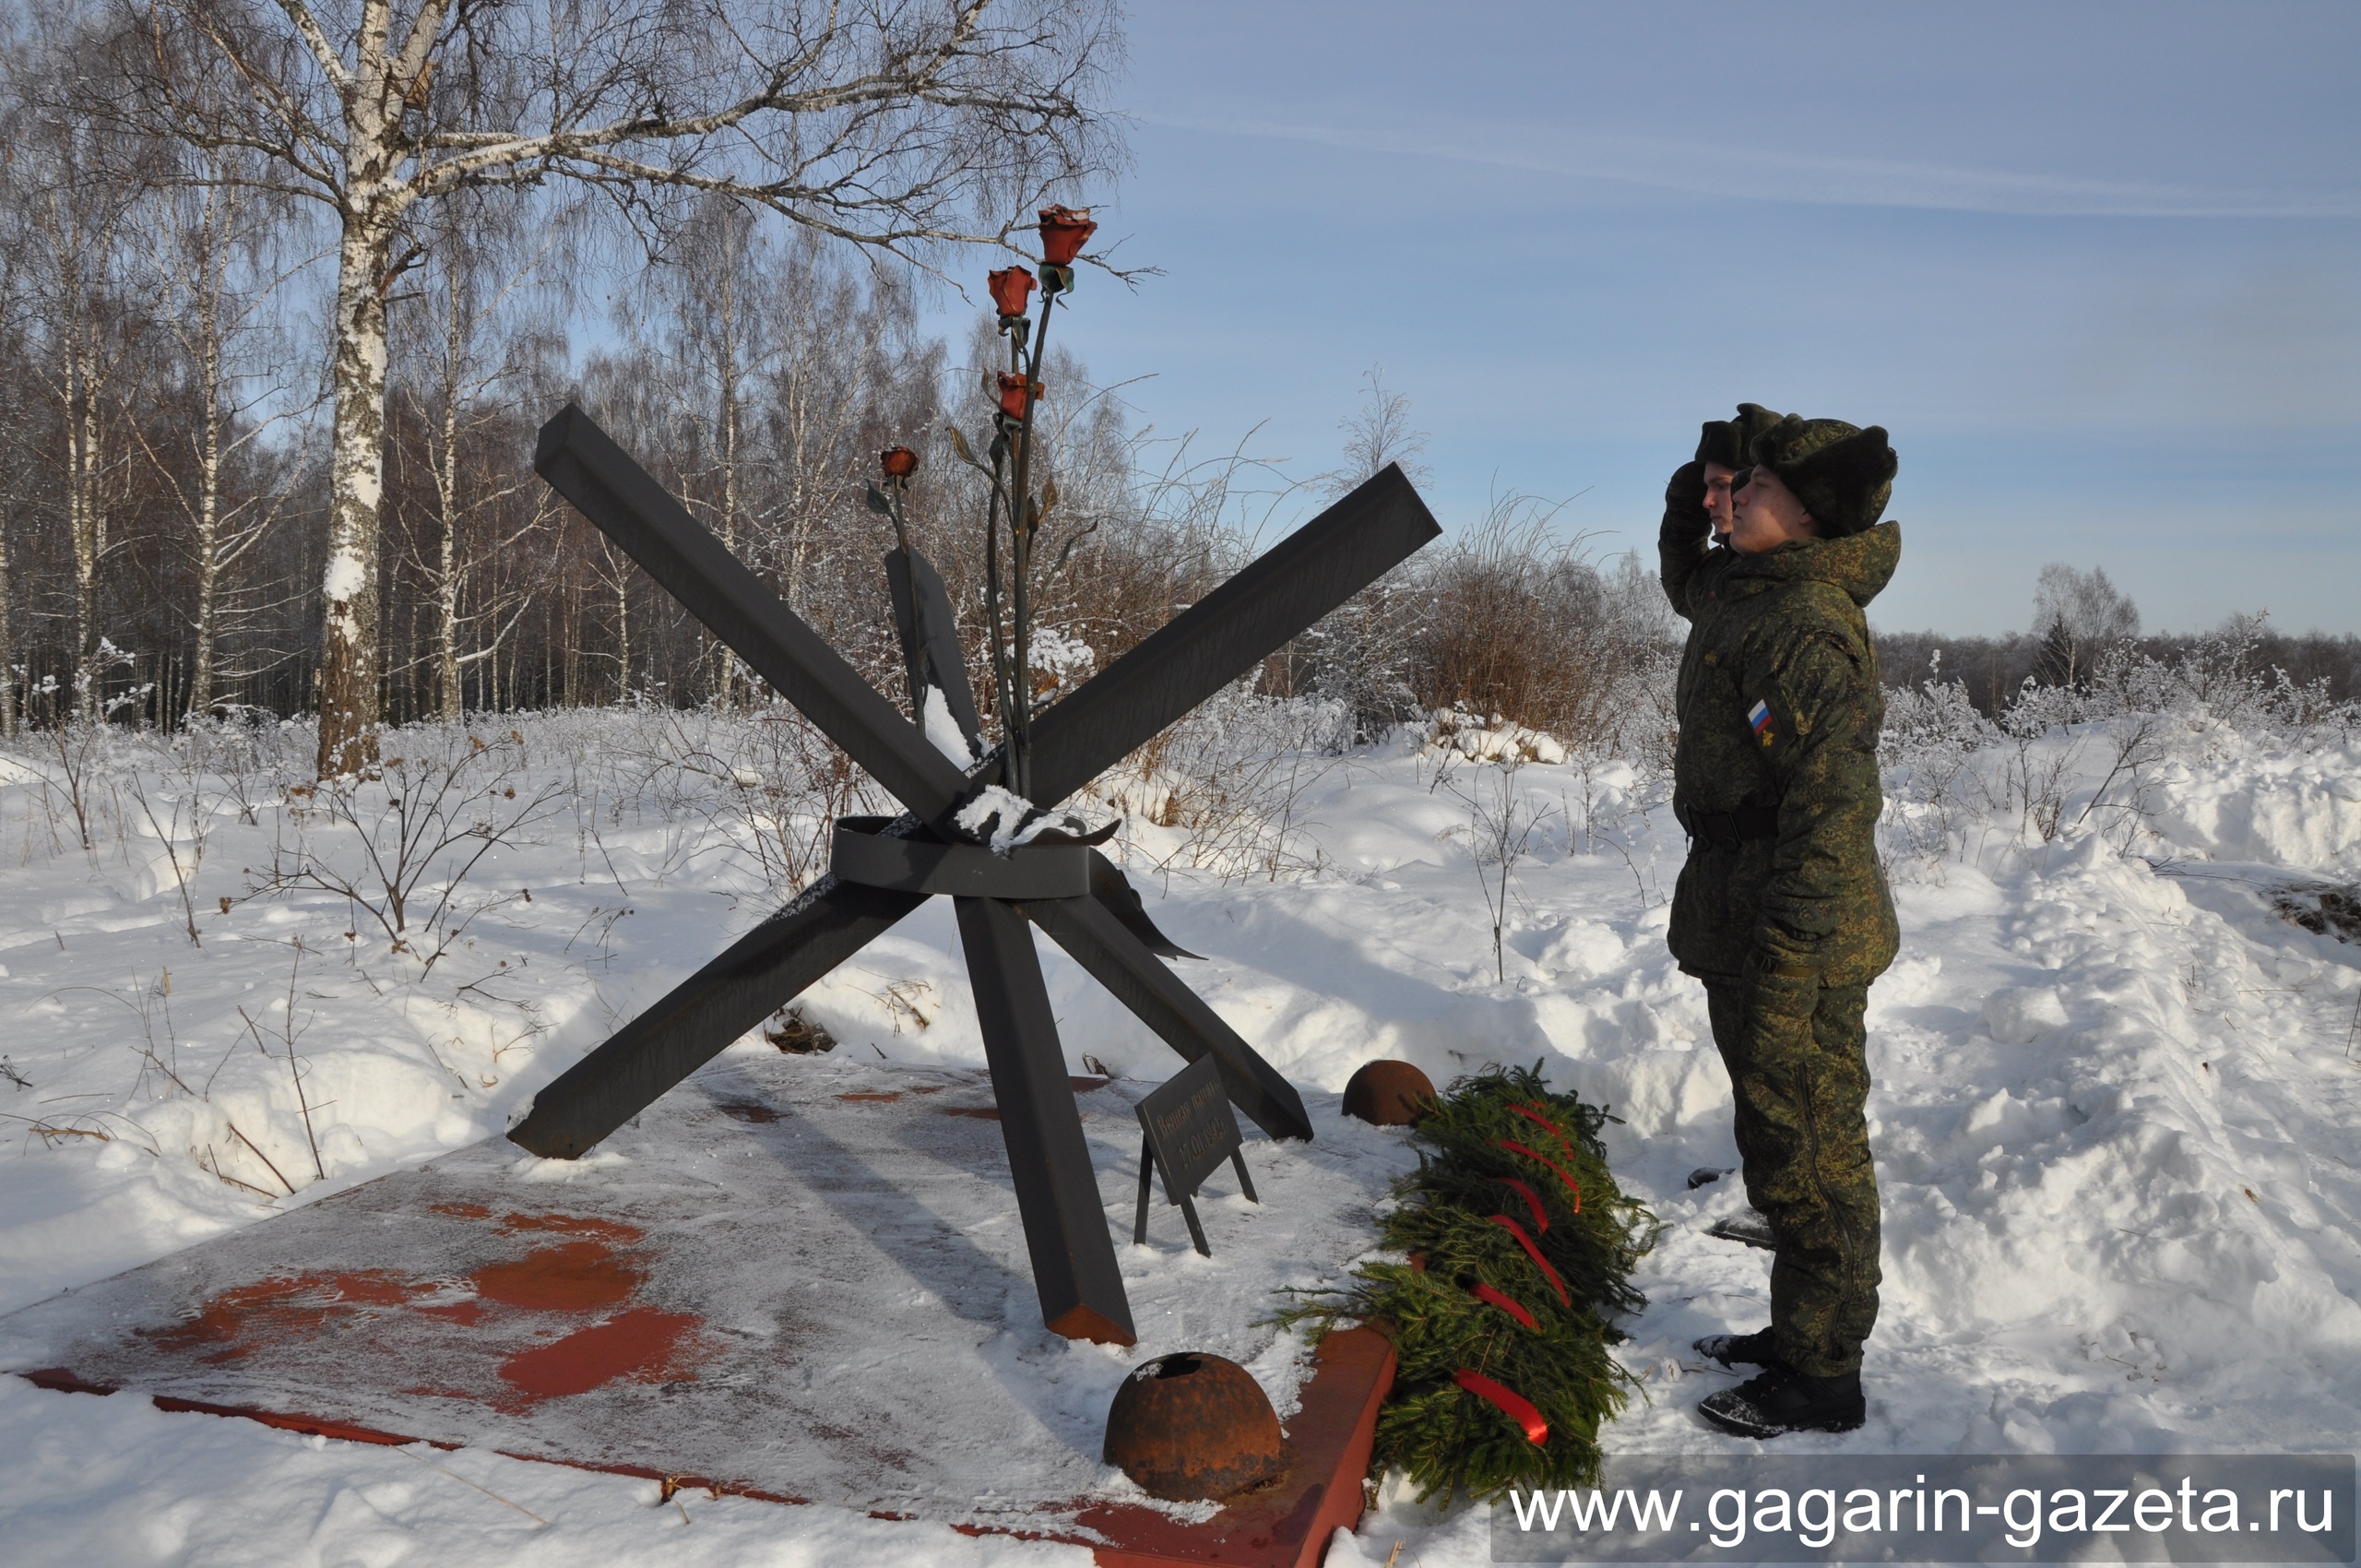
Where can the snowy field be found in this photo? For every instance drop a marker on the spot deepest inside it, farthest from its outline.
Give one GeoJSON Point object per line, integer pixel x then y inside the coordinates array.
{"type": "Point", "coordinates": [2117, 1107]}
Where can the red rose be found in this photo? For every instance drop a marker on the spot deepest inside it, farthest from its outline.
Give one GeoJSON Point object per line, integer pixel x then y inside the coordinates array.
{"type": "Point", "coordinates": [1009, 287]}
{"type": "Point", "coordinates": [899, 462]}
{"type": "Point", "coordinates": [1012, 395]}
{"type": "Point", "coordinates": [1063, 231]}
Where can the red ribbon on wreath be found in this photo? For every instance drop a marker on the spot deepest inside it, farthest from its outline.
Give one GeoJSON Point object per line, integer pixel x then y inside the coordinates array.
{"type": "Point", "coordinates": [1540, 1220]}
{"type": "Point", "coordinates": [1564, 1174]}
{"type": "Point", "coordinates": [1564, 1299]}
{"type": "Point", "coordinates": [1532, 1113]}
{"type": "Point", "coordinates": [1516, 1406]}
{"type": "Point", "coordinates": [1515, 1308]}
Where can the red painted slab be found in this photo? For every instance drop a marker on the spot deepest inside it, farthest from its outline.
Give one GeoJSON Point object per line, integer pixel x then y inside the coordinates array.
{"type": "Point", "coordinates": [805, 1283]}
{"type": "Point", "coordinates": [1287, 1524]}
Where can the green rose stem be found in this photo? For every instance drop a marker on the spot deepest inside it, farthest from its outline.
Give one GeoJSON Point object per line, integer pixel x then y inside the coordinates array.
{"type": "Point", "coordinates": [1012, 652]}
{"type": "Point", "coordinates": [1024, 519]}
{"type": "Point", "coordinates": [1063, 234]}
{"type": "Point", "coordinates": [901, 527]}
{"type": "Point", "coordinates": [991, 584]}
{"type": "Point", "coordinates": [896, 464]}
{"type": "Point", "coordinates": [895, 486]}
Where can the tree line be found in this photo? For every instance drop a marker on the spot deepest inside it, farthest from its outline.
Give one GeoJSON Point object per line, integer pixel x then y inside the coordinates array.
{"type": "Point", "coordinates": [2078, 617]}
{"type": "Point", "coordinates": [286, 289]}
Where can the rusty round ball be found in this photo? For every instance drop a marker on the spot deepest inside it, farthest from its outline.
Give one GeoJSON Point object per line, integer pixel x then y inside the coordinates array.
{"type": "Point", "coordinates": [1388, 1094]}
{"type": "Point", "coordinates": [1193, 1426]}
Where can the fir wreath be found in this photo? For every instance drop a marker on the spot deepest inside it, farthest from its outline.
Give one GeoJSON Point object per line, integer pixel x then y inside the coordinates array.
{"type": "Point", "coordinates": [1519, 1248]}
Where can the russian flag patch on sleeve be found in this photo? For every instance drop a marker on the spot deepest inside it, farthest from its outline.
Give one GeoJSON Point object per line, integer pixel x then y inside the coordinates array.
{"type": "Point", "coordinates": [1758, 718]}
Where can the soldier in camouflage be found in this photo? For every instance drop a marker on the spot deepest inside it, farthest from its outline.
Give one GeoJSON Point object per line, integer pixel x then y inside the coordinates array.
{"type": "Point", "coordinates": [1782, 910]}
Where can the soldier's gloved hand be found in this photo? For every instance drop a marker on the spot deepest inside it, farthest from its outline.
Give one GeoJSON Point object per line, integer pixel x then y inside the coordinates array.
{"type": "Point", "coordinates": [1684, 500]}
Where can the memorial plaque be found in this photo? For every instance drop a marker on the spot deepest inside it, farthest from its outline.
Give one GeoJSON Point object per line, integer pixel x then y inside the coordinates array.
{"type": "Point", "coordinates": [1188, 1131]}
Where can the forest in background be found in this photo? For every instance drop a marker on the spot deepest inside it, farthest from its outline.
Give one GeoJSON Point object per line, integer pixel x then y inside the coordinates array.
{"type": "Point", "coordinates": [2081, 622]}
{"type": "Point", "coordinates": [165, 472]}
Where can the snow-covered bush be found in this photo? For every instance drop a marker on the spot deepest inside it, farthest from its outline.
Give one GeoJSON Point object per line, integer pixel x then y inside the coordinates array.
{"type": "Point", "coordinates": [2103, 754]}
{"type": "Point", "coordinates": [1499, 740]}
{"type": "Point", "coordinates": [1218, 790]}
{"type": "Point", "coordinates": [1931, 734]}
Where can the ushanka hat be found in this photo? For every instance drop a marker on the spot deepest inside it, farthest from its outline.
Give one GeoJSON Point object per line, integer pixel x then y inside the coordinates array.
{"type": "Point", "coordinates": [1842, 474]}
{"type": "Point", "coordinates": [1725, 441]}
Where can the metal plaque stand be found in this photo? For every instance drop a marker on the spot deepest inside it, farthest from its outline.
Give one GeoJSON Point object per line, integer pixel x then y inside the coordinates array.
{"type": "Point", "coordinates": [1186, 1131]}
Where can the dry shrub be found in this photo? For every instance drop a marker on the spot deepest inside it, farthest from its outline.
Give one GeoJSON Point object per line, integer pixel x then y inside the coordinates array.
{"type": "Point", "coordinates": [1507, 620]}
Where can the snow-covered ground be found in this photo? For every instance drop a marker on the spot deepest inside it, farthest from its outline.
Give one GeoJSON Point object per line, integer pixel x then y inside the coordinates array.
{"type": "Point", "coordinates": [2118, 1111]}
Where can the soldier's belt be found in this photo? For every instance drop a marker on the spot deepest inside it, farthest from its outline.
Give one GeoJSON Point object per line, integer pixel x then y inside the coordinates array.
{"type": "Point", "coordinates": [1729, 827]}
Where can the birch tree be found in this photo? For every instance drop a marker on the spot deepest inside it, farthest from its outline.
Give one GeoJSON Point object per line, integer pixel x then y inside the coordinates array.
{"type": "Point", "coordinates": [899, 125]}
{"type": "Point", "coordinates": [719, 336]}
{"type": "Point", "coordinates": [78, 179]}
{"type": "Point", "coordinates": [2077, 616]}
{"type": "Point", "coordinates": [14, 475]}
{"type": "Point", "coordinates": [472, 335]}
{"type": "Point", "coordinates": [211, 257]}
{"type": "Point", "coordinates": [848, 356]}
{"type": "Point", "coordinates": [16, 446]}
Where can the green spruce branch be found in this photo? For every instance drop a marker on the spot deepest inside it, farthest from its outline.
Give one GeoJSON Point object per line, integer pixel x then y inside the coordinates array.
{"type": "Point", "coordinates": [1488, 1131]}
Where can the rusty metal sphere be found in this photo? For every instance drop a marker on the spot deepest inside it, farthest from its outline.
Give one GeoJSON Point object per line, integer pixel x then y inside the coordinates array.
{"type": "Point", "coordinates": [1388, 1094]}
{"type": "Point", "coordinates": [1193, 1426]}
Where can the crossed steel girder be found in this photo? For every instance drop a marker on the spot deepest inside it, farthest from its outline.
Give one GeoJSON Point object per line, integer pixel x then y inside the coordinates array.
{"type": "Point", "coordinates": [1105, 928]}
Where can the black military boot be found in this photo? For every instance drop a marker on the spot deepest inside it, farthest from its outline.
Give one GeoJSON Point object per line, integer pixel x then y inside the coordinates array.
{"type": "Point", "coordinates": [1782, 1401]}
{"type": "Point", "coordinates": [1739, 1349]}
{"type": "Point", "coordinates": [1750, 1228]}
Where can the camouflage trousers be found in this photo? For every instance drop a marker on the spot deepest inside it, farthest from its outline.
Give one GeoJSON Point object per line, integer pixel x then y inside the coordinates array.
{"type": "Point", "coordinates": [1802, 1084]}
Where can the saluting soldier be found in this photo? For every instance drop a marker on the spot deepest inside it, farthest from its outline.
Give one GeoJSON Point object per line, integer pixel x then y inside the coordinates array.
{"type": "Point", "coordinates": [1782, 910]}
{"type": "Point", "coordinates": [1722, 449]}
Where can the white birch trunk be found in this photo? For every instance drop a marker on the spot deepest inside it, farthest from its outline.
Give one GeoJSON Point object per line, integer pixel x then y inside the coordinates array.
{"type": "Point", "coordinates": [349, 674]}
{"type": "Point", "coordinates": [374, 199]}
{"type": "Point", "coordinates": [446, 495]}
{"type": "Point", "coordinates": [727, 373]}
{"type": "Point", "coordinates": [86, 507]}
{"type": "Point", "coordinates": [623, 638]}
{"type": "Point", "coordinates": [7, 642]}
{"type": "Point", "coordinates": [215, 250]}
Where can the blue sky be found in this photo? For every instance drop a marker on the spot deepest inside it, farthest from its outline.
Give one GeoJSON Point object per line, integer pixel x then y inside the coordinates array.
{"type": "Point", "coordinates": [2097, 267]}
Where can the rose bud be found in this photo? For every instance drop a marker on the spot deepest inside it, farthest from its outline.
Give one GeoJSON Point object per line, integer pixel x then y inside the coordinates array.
{"type": "Point", "coordinates": [1012, 395]}
{"type": "Point", "coordinates": [1010, 286]}
{"type": "Point", "coordinates": [1063, 232]}
{"type": "Point", "coordinates": [899, 462]}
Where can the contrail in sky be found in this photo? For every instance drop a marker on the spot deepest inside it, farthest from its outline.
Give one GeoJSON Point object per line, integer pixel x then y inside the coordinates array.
{"type": "Point", "coordinates": [1764, 174]}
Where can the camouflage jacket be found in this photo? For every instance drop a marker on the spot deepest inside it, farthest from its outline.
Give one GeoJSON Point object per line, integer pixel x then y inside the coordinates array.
{"type": "Point", "coordinates": [1779, 712]}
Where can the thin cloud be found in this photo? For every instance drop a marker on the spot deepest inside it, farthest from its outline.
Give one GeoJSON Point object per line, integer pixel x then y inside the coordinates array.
{"type": "Point", "coordinates": [1758, 174]}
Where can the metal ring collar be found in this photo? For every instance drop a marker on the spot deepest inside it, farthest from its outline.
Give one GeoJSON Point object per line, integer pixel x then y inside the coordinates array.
{"type": "Point", "coordinates": [864, 855]}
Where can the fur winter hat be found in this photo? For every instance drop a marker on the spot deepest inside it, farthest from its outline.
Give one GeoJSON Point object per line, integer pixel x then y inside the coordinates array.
{"type": "Point", "coordinates": [1725, 441]}
{"type": "Point", "coordinates": [1842, 474]}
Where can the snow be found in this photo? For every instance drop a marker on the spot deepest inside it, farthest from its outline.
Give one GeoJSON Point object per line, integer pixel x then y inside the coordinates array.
{"type": "Point", "coordinates": [2118, 1102]}
{"type": "Point", "coordinates": [116, 1481]}
{"type": "Point", "coordinates": [1007, 821]}
{"type": "Point", "coordinates": [1059, 654]}
{"type": "Point", "coordinates": [943, 731]}
{"type": "Point", "coordinates": [345, 578]}
{"type": "Point", "coordinates": [1498, 740]}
